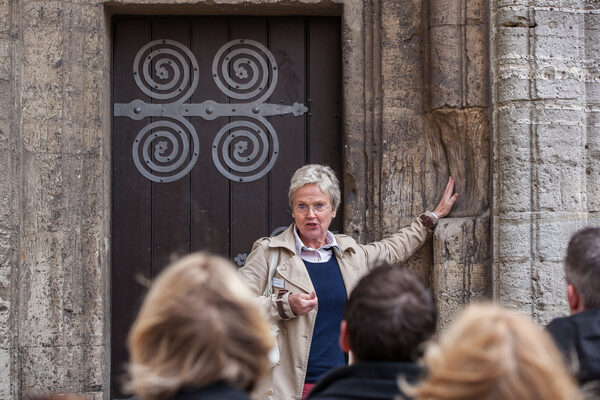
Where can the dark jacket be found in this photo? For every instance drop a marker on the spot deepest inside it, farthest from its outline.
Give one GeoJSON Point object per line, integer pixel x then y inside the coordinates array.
{"type": "Point", "coordinates": [578, 336]}
{"type": "Point", "coordinates": [365, 380]}
{"type": "Point", "coordinates": [215, 391]}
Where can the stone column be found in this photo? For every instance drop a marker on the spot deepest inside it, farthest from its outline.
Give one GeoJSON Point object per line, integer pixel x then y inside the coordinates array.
{"type": "Point", "coordinates": [9, 199]}
{"type": "Point", "coordinates": [458, 132]}
{"type": "Point", "coordinates": [59, 199]}
{"type": "Point", "coordinates": [541, 132]}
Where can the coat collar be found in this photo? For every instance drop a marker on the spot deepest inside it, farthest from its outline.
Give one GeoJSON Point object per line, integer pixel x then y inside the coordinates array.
{"type": "Point", "coordinates": [287, 240]}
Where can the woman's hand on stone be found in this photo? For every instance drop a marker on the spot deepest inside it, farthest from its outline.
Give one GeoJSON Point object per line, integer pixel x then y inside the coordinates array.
{"type": "Point", "coordinates": [447, 201]}
{"type": "Point", "coordinates": [301, 303]}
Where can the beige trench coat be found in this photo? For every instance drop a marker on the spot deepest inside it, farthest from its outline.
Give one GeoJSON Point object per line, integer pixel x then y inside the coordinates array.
{"type": "Point", "coordinates": [295, 334]}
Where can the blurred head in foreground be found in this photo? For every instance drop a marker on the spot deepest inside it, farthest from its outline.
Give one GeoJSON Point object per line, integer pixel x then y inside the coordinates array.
{"type": "Point", "coordinates": [198, 325]}
{"type": "Point", "coordinates": [389, 316]}
{"type": "Point", "coordinates": [494, 353]}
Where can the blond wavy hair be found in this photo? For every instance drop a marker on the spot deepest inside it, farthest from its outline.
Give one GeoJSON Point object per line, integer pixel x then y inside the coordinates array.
{"type": "Point", "coordinates": [198, 324]}
{"type": "Point", "coordinates": [494, 353]}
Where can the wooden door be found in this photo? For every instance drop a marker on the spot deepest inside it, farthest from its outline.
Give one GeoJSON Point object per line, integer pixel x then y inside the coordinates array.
{"type": "Point", "coordinates": [212, 115]}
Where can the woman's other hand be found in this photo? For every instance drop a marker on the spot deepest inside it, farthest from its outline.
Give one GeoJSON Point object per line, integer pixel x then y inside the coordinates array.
{"type": "Point", "coordinates": [447, 201]}
{"type": "Point", "coordinates": [301, 303]}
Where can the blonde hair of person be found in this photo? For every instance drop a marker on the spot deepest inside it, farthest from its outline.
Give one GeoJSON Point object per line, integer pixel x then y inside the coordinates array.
{"type": "Point", "coordinates": [198, 324]}
{"type": "Point", "coordinates": [494, 353]}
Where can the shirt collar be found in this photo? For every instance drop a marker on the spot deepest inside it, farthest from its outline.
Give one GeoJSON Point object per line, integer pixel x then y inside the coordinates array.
{"type": "Point", "coordinates": [330, 242]}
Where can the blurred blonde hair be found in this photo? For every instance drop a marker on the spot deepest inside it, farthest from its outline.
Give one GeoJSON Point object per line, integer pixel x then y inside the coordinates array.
{"type": "Point", "coordinates": [494, 353]}
{"type": "Point", "coordinates": [198, 324]}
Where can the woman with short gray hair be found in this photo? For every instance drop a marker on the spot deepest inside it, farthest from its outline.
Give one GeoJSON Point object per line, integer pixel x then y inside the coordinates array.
{"type": "Point", "coordinates": [313, 272]}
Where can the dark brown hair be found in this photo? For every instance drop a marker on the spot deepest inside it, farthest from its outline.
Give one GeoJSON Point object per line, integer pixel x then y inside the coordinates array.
{"type": "Point", "coordinates": [582, 265]}
{"type": "Point", "coordinates": [390, 314]}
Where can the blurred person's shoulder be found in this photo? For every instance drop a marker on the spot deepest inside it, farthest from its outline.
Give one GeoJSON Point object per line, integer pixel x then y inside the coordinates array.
{"type": "Point", "coordinates": [215, 391]}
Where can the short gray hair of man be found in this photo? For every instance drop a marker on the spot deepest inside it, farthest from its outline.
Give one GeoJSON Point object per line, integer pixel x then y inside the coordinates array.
{"type": "Point", "coordinates": [582, 265]}
{"type": "Point", "coordinates": [318, 174]}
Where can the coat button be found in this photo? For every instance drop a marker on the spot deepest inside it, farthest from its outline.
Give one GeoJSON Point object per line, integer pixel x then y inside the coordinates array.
{"type": "Point", "coordinates": [270, 392]}
{"type": "Point", "coordinates": [284, 331]}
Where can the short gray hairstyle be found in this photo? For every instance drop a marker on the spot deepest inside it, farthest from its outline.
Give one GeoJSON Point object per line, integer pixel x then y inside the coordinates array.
{"type": "Point", "coordinates": [318, 174]}
{"type": "Point", "coordinates": [582, 265]}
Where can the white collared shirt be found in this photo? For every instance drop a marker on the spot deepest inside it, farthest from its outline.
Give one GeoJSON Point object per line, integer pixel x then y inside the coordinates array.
{"type": "Point", "coordinates": [320, 255]}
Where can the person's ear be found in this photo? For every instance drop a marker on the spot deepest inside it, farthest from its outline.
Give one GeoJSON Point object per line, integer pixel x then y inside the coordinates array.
{"type": "Point", "coordinates": [333, 213]}
{"type": "Point", "coordinates": [575, 303]}
{"type": "Point", "coordinates": [344, 339]}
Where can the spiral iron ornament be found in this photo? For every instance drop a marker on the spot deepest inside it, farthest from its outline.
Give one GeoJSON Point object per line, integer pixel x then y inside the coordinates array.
{"type": "Point", "coordinates": [253, 66]}
{"type": "Point", "coordinates": [165, 69]}
{"type": "Point", "coordinates": [244, 152]}
{"type": "Point", "coordinates": [162, 151]}
{"type": "Point", "coordinates": [167, 149]}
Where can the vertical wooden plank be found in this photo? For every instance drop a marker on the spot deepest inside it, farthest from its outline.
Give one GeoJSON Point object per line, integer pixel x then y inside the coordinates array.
{"type": "Point", "coordinates": [325, 88]}
{"type": "Point", "coordinates": [209, 188]}
{"type": "Point", "coordinates": [131, 202]}
{"type": "Point", "coordinates": [287, 43]}
{"type": "Point", "coordinates": [170, 201]}
{"type": "Point", "coordinates": [249, 200]}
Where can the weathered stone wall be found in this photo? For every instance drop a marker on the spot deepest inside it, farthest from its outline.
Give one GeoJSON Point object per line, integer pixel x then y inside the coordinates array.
{"type": "Point", "coordinates": [54, 198]}
{"type": "Point", "coordinates": [9, 202]}
{"type": "Point", "coordinates": [546, 164]}
{"type": "Point", "coordinates": [421, 68]}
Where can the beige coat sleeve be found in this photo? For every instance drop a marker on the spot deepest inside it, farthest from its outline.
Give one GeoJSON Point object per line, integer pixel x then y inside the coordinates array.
{"type": "Point", "coordinates": [255, 274]}
{"type": "Point", "coordinates": [398, 247]}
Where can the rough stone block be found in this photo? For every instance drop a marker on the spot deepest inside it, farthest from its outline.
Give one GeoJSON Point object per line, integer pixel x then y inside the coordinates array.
{"type": "Point", "coordinates": [5, 20]}
{"type": "Point", "coordinates": [515, 19]}
{"type": "Point", "coordinates": [480, 282]}
{"type": "Point", "coordinates": [456, 239]}
{"type": "Point", "coordinates": [70, 369]}
{"type": "Point", "coordinates": [560, 186]}
{"type": "Point", "coordinates": [477, 64]}
{"type": "Point", "coordinates": [510, 44]}
{"type": "Point", "coordinates": [42, 55]}
{"type": "Point", "coordinates": [477, 12]}
{"type": "Point", "coordinates": [43, 194]}
{"type": "Point", "coordinates": [5, 58]}
{"type": "Point", "coordinates": [554, 231]}
{"type": "Point", "coordinates": [5, 323]}
{"type": "Point", "coordinates": [40, 304]}
{"type": "Point", "coordinates": [446, 53]}
{"type": "Point", "coordinates": [401, 21]}
{"type": "Point", "coordinates": [557, 89]}
{"type": "Point", "coordinates": [42, 134]}
{"type": "Point", "coordinates": [458, 145]}
{"type": "Point", "coordinates": [43, 12]}
{"type": "Point", "coordinates": [563, 24]}
{"type": "Point", "coordinates": [512, 284]}
{"type": "Point", "coordinates": [444, 12]}
{"type": "Point", "coordinates": [592, 174]}
{"type": "Point", "coordinates": [550, 291]}
{"type": "Point", "coordinates": [513, 88]}
{"type": "Point", "coordinates": [559, 48]}
{"type": "Point", "coordinates": [592, 90]}
{"type": "Point", "coordinates": [513, 185]}
{"type": "Point", "coordinates": [5, 374]}
{"type": "Point", "coordinates": [513, 134]}
{"type": "Point", "coordinates": [513, 236]}
{"type": "Point", "coordinates": [448, 281]}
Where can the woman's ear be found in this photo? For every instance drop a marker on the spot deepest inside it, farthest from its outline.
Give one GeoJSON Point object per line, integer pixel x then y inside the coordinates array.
{"type": "Point", "coordinates": [344, 340]}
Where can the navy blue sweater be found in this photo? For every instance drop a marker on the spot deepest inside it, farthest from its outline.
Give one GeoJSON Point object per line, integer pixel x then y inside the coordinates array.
{"type": "Point", "coordinates": [325, 352]}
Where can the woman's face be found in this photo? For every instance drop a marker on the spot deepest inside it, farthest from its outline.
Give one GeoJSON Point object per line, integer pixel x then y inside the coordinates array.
{"type": "Point", "coordinates": [312, 211]}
